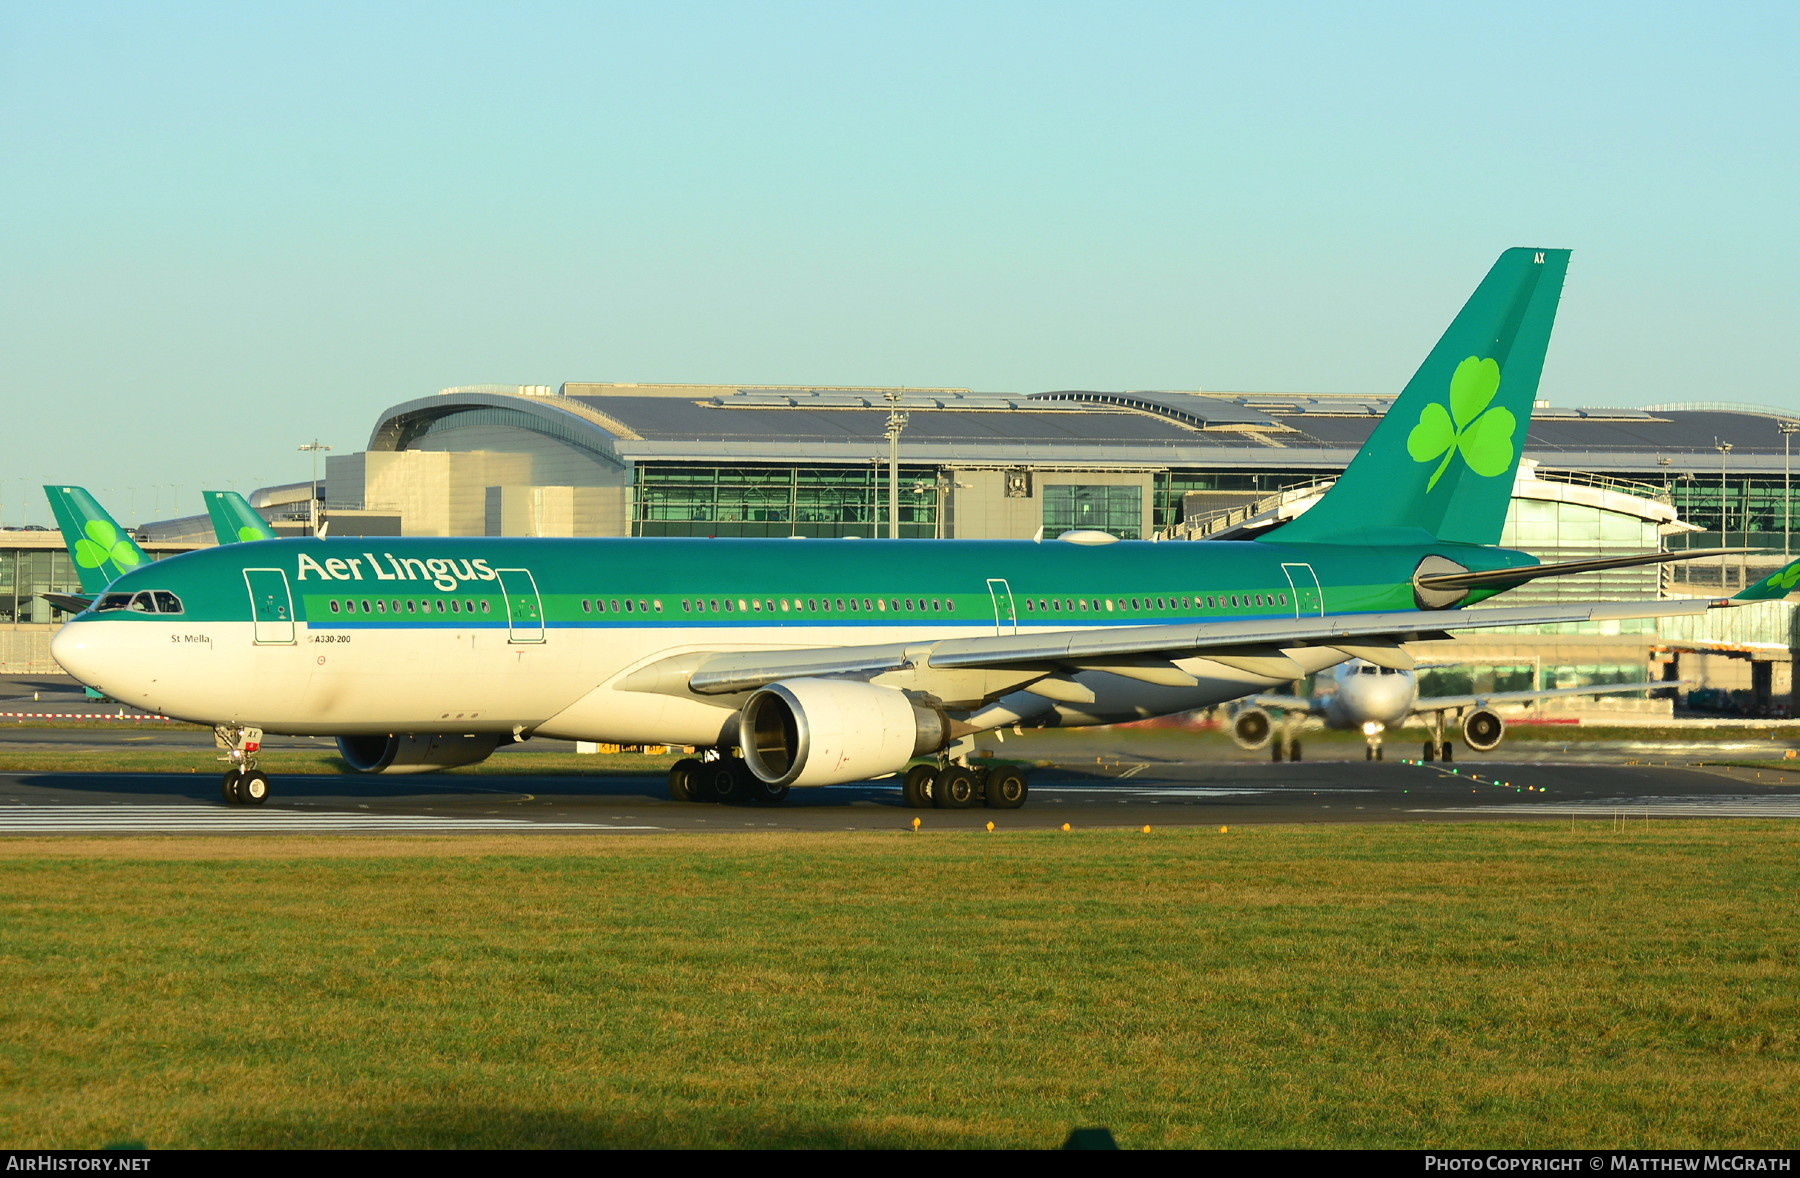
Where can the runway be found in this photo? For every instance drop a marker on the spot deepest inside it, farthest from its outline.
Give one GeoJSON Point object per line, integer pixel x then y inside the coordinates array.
{"type": "Point", "coordinates": [1125, 794]}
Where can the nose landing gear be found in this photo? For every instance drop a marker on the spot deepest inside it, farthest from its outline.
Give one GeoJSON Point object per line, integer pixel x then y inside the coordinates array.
{"type": "Point", "coordinates": [243, 784]}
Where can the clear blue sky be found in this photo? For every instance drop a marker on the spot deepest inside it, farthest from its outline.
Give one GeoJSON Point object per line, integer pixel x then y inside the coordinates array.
{"type": "Point", "coordinates": [232, 227]}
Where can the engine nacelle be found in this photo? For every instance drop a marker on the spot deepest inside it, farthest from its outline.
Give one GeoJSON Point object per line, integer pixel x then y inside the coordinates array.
{"type": "Point", "coordinates": [827, 731]}
{"type": "Point", "coordinates": [1482, 730]}
{"type": "Point", "coordinates": [420, 753]}
{"type": "Point", "coordinates": [1251, 728]}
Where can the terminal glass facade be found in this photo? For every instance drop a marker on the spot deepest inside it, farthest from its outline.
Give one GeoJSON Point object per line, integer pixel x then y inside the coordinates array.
{"type": "Point", "coordinates": [27, 572]}
{"type": "Point", "coordinates": [681, 499]}
{"type": "Point", "coordinates": [1741, 513]}
{"type": "Point", "coordinates": [1118, 511]}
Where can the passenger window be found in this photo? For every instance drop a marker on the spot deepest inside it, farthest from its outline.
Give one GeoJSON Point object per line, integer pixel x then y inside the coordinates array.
{"type": "Point", "coordinates": [334, 607]}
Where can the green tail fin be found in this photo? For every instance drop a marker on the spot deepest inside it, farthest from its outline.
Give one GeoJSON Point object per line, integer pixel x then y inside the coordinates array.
{"type": "Point", "coordinates": [101, 549]}
{"type": "Point", "coordinates": [1440, 464]}
{"type": "Point", "coordinates": [234, 520]}
{"type": "Point", "coordinates": [1773, 587]}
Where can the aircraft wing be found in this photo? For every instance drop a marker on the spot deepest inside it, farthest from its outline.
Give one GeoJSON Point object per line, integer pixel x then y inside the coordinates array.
{"type": "Point", "coordinates": [1438, 703]}
{"type": "Point", "coordinates": [69, 603]}
{"type": "Point", "coordinates": [1253, 644]}
{"type": "Point", "coordinates": [1288, 703]}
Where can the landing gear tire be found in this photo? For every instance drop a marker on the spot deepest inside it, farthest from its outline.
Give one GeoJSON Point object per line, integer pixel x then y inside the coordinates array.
{"type": "Point", "coordinates": [1430, 750]}
{"type": "Point", "coordinates": [764, 793]}
{"type": "Point", "coordinates": [716, 781]}
{"type": "Point", "coordinates": [956, 789]}
{"type": "Point", "coordinates": [729, 781]}
{"type": "Point", "coordinates": [1275, 751]}
{"type": "Point", "coordinates": [1294, 750]}
{"type": "Point", "coordinates": [1006, 788]}
{"type": "Point", "coordinates": [1379, 756]}
{"type": "Point", "coordinates": [917, 786]}
{"type": "Point", "coordinates": [228, 787]}
{"type": "Point", "coordinates": [253, 788]}
{"type": "Point", "coordinates": [684, 778]}
{"type": "Point", "coordinates": [1446, 751]}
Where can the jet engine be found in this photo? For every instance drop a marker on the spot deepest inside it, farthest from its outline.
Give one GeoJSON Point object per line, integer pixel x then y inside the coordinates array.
{"type": "Point", "coordinates": [1251, 728]}
{"type": "Point", "coordinates": [826, 731]}
{"type": "Point", "coordinates": [1482, 730]}
{"type": "Point", "coordinates": [415, 753]}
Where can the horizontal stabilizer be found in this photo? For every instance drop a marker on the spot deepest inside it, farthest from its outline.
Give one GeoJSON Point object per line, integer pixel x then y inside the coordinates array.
{"type": "Point", "coordinates": [1518, 576]}
{"type": "Point", "coordinates": [69, 603]}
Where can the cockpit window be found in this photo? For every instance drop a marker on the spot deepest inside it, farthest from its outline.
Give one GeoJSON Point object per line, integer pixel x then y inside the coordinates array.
{"type": "Point", "coordinates": [150, 601]}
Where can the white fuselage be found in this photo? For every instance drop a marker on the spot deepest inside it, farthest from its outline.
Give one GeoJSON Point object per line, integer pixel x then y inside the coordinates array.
{"type": "Point", "coordinates": [335, 680]}
{"type": "Point", "coordinates": [1367, 694]}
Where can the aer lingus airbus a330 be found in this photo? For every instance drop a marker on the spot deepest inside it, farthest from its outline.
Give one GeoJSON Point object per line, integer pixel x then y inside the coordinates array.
{"type": "Point", "coordinates": [812, 662]}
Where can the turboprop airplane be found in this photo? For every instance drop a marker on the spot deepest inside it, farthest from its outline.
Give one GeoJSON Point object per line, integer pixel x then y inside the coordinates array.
{"type": "Point", "coordinates": [1372, 699]}
{"type": "Point", "coordinates": [812, 662]}
{"type": "Point", "coordinates": [234, 521]}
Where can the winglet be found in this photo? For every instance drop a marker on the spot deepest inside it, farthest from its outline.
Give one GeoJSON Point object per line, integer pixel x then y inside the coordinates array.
{"type": "Point", "coordinates": [1773, 587]}
{"type": "Point", "coordinates": [100, 548]}
{"type": "Point", "coordinates": [234, 520]}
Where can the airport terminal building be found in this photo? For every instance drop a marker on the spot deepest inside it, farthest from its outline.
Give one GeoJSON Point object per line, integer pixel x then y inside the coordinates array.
{"type": "Point", "coordinates": [591, 459]}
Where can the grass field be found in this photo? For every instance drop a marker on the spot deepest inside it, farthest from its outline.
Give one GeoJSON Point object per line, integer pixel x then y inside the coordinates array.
{"type": "Point", "coordinates": [1365, 985]}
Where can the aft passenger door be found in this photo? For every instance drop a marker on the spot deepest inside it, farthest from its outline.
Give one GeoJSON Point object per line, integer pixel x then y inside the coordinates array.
{"type": "Point", "coordinates": [271, 606]}
{"type": "Point", "coordinates": [1309, 601]}
{"type": "Point", "coordinates": [524, 607]}
{"type": "Point", "coordinates": [1006, 616]}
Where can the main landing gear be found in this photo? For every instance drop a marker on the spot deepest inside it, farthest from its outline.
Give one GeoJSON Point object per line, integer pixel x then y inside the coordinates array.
{"type": "Point", "coordinates": [718, 776]}
{"type": "Point", "coordinates": [243, 784]}
{"type": "Point", "coordinates": [1436, 747]}
{"type": "Point", "coordinates": [960, 787]}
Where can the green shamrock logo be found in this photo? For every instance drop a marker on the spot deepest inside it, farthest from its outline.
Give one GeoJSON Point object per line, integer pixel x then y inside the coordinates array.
{"type": "Point", "coordinates": [249, 533]}
{"type": "Point", "coordinates": [1787, 578]}
{"type": "Point", "coordinates": [101, 544]}
{"type": "Point", "coordinates": [1483, 436]}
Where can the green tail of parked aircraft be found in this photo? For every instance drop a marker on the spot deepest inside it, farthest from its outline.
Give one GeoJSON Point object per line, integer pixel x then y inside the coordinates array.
{"type": "Point", "coordinates": [234, 521]}
{"type": "Point", "coordinates": [101, 549]}
{"type": "Point", "coordinates": [812, 662]}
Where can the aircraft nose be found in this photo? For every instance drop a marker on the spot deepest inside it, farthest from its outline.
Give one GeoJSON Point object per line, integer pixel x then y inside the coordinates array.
{"type": "Point", "coordinates": [74, 649]}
